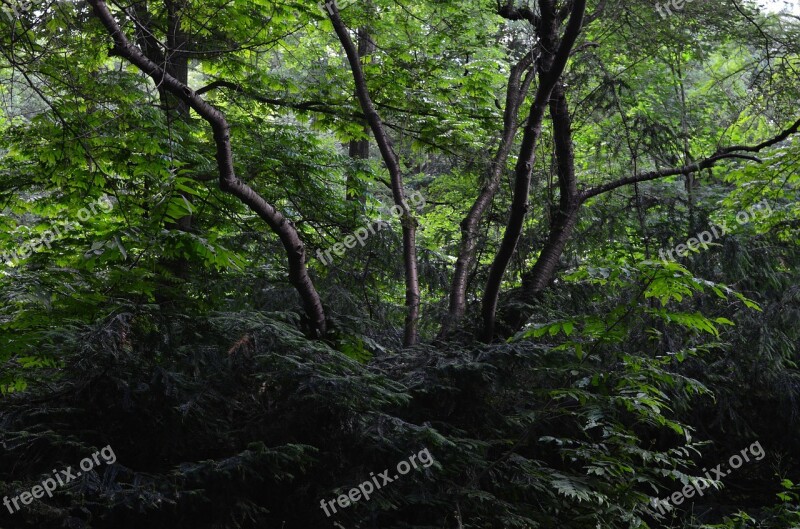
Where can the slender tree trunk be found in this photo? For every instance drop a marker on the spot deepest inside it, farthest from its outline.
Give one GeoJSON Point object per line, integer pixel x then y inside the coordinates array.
{"type": "Point", "coordinates": [177, 65]}
{"type": "Point", "coordinates": [633, 149]}
{"type": "Point", "coordinates": [228, 181]}
{"type": "Point", "coordinates": [551, 67]}
{"type": "Point", "coordinates": [356, 150]}
{"type": "Point", "coordinates": [687, 153]}
{"type": "Point", "coordinates": [175, 61]}
{"type": "Point", "coordinates": [359, 149]}
{"type": "Point", "coordinates": [515, 95]}
{"type": "Point", "coordinates": [565, 218]}
{"type": "Point", "coordinates": [390, 159]}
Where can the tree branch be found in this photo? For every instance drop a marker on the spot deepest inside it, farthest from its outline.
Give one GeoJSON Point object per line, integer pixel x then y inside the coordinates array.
{"type": "Point", "coordinates": [316, 106]}
{"type": "Point", "coordinates": [734, 151]}
{"type": "Point", "coordinates": [228, 181]}
{"type": "Point", "coordinates": [509, 12]}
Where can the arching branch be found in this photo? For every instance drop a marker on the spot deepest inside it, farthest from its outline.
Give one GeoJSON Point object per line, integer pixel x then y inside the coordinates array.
{"type": "Point", "coordinates": [734, 151]}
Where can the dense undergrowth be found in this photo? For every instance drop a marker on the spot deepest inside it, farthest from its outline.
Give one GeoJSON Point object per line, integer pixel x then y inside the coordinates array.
{"type": "Point", "coordinates": [235, 419]}
{"type": "Point", "coordinates": [167, 326]}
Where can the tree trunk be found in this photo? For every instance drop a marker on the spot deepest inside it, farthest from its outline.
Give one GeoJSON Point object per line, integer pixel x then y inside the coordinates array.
{"type": "Point", "coordinates": [550, 70]}
{"type": "Point", "coordinates": [176, 64]}
{"type": "Point", "coordinates": [409, 223]}
{"type": "Point", "coordinates": [228, 181]}
{"type": "Point", "coordinates": [565, 218]}
{"type": "Point", "coordinates": [359, 149]}
{"type": "Point", "coordinates": [515, 95]}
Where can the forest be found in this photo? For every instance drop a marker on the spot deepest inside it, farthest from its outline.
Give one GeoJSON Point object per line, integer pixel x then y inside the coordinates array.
{"type": "Point", "coordinates": [400, 264]}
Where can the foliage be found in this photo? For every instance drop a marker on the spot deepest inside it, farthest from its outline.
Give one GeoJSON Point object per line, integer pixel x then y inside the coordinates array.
{"type": "Point", "coordinates": [166, 325]}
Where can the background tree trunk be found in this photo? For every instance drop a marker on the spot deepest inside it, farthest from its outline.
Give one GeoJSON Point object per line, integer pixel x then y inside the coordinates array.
{"type": "Point", "coordinates": [359, 149]}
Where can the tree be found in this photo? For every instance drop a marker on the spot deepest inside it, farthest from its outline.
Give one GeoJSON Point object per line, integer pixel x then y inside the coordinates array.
{"type": "Point", "coordinates": [295, 250]}
{"type": "Point", "coordinates": [611, 200]}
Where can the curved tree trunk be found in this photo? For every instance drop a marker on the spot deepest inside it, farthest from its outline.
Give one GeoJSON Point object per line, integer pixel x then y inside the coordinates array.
{"type": "Point", "coordinates": [228, 181]}
{"type": "Point", "coordinates": [565, 218]}
{"type": "Point", "coordinates": [515, 95]}
{"type": "Point", "coordinates": [409, 223]}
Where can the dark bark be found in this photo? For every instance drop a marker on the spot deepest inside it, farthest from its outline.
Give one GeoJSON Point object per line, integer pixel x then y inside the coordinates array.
{"type": "Point", "coordinates": [173, 57]}
{"type": "Point", "coordinates": [176, 63]}
{"type": "Point", "coordinates": [392, 162]}
{"type": "Point", "coordinates": [550, 70]}
{"type": "Point", "coordinates": [359, 149]}
{"type": "Point", "coordinates": [356, 150]}
{"type": "Point", "coordinates": [571, 198]}
{"type": "Point", "coordinates": [177, 57]}
{"type": "Point", "coordinates": [566, 215]}
{"type": "Point", "coordinates": [565, 219]}
{"type": "Point", "coordinates": [228, 181]}
{"type": "Point", "coordinates": [515, 95]}
{"type": "Point", "coordinates": [175, 60]}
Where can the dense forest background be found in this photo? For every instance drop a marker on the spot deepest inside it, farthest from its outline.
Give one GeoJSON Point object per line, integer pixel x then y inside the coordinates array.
{"type": "Point", "coordinates": [259, 251]}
